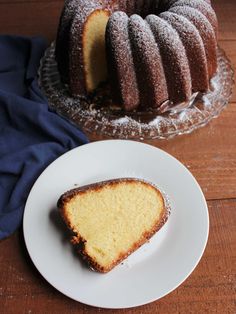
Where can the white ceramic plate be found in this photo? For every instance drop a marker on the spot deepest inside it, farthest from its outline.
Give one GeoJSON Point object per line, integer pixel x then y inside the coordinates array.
{"type": "Point", "coordinates": [156, 268]}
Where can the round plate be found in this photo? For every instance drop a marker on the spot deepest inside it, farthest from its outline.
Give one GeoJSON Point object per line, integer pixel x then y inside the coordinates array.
{"type": "Point", "coordinates": [157, 267]}
{"type": "Point", "coordinates": [98, 115]}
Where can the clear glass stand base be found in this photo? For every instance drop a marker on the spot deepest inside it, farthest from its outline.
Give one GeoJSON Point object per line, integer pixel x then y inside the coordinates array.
{"type": "Point", "coordinates": [113, 122]}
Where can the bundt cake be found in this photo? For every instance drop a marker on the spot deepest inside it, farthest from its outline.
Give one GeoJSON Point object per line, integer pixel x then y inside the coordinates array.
{"type": "Point", "coordinates": [111, 219]}
{"type": "Point", "coordinates": [149, 51]}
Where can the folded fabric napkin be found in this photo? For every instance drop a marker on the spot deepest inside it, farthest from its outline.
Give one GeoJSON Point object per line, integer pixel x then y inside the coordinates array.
{"type": "Point", "coordinates": [31, 136]}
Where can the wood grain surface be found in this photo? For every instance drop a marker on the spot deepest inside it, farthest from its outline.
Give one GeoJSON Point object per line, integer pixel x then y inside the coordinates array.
{"type": "Point", "coordinates": [209, 153]}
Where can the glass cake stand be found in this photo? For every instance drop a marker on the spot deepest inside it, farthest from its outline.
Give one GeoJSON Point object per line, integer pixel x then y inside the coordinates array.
{"type": "Point", "coordinates": [97, 115]}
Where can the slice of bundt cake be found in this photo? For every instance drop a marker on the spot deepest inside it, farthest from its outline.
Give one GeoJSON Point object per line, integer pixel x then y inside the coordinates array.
{"type": "Point", "coordinates": [111, 219]}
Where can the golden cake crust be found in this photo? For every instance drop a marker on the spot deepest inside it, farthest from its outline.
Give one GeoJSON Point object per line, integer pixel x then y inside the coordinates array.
{"type": "Point", "coordinates": [79, 242]}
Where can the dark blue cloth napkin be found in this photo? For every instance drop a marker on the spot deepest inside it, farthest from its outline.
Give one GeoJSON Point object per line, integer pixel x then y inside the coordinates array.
{"type": "Point", "coordinates": [31, 136]}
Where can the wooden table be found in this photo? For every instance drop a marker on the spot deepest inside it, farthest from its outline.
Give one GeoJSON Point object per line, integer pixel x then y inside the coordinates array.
{"type": "Point", "coordinates": [209, 153]}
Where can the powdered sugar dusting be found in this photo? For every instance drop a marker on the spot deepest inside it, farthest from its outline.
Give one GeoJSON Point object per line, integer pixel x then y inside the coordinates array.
{"type": "Point", "coordinates": [120, 62]}
{"type": "Point", "coordinates": [184, 28]}
{"type": "Point", "coordinates": [194, 16]}
{"type": "Point", "coordinates": [120, 121]}
{"type": "Point", "coordinates": [148, 63]}
{"type": "Point", "coordinates": [202, 7]}
{"type": "Point", "coordinates": [206, 32]}
{"type": "Point", "coordinates": [194, 49]}
{"type": "Point", "coordinates": [172, 51]}
{"type": "Point", "coordinates": [70, 8]}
